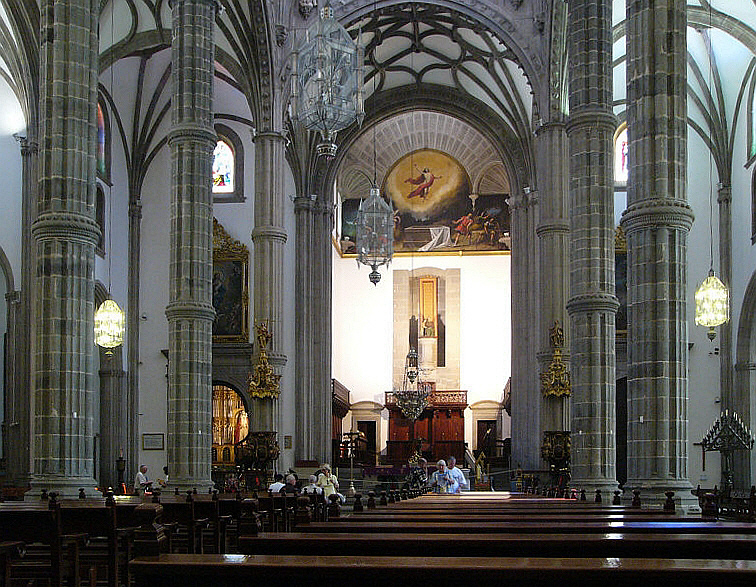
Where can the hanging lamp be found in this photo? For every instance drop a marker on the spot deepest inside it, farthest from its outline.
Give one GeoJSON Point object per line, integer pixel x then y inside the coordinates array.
{"type": "Point", "coordinates": [712, 297]}
{"type": "Point", "coordinates": [109, 319]}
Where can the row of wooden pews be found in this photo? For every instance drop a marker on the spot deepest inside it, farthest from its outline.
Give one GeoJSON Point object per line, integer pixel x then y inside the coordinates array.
{"type": "Point", "coordinates": [480, 538]}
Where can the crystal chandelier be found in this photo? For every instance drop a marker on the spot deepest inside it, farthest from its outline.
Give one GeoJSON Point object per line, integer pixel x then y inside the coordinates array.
{"type": "Point", "coordinates": [375, 233]}
{"type": "Point", "coordinates": [326, 74]}
{"type": "Point", "coordinates": [412, 399]}
{"type": "Point", "coordinates": [109, 325]}
{"type": "Point", "coordinates": [712, 304]}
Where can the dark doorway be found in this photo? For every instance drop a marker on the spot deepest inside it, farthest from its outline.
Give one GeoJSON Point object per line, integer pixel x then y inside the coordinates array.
{"type": "Point", "coordinates": [367, 427]}
{"type": "Point", "coordinates": [486, 437]}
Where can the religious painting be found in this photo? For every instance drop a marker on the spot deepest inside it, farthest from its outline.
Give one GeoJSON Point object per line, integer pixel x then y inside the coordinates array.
{"type": "Point", "coordinates": [349, 209]}
{"type": "Point", "coordinates": [436, 211]}
{"type": "Point", "coordinates": [230, 295]}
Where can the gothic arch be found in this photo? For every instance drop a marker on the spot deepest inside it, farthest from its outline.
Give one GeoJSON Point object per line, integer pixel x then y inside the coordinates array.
{"type": "Point", "coordinates": [745, 376]}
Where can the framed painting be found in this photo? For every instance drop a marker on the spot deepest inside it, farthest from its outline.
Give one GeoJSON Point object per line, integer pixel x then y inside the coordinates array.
{"type": "Point", "coordinates": [230, 289]}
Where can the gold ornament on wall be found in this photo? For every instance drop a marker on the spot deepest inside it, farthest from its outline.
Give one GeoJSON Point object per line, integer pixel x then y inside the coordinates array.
{"type": "Point", "coordinates": [555, 381]}
{"type": "Point", "coordinates": [263, 382]}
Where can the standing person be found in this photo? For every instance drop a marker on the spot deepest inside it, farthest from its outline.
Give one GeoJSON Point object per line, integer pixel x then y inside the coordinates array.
{"type": "Point", "coordinates": [441, 480]}
{"type": "Point", "coordinates": [459, 477]}
{"type": "Point", "coordinates": [327, 480]}
{"type": "Point", "coordinates": [141, 482]}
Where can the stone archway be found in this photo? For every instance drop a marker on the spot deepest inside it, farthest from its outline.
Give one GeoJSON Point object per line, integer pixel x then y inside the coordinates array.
{"type": "Point", "coordinates": [745, 380]}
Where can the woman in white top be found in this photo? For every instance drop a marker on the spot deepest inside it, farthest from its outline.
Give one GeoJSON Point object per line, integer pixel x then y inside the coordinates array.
{"type": "Point", "coordinates": [327, 480]}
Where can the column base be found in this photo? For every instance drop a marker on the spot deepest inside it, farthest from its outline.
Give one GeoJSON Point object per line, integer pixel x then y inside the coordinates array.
{"type": "Point", "coordinates": [606, 486]}
{"type": "Point", "coordinates": [65, 487]}
{"type": "Point", "coordinates": [653, 494]}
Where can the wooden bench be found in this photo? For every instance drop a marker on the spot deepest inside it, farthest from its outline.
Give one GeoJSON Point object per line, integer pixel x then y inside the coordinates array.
{"type": "Point", "coordinates": [542, 526]}
{"type": "Point", "coordinates": [234, 570]}
{"type": "Point", "coordinates": [614, 544]}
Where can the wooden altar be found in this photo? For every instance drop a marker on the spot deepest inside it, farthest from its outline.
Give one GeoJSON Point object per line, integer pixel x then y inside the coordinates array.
{"type": "Point", "coordinates": [441, 426]}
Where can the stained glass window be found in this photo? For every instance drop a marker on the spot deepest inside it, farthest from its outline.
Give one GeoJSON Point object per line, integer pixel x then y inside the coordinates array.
{"type": "Point", "coordinates": [101, 163]}
{"type": "Point", "coordinates": [223, 168]}
{"type": "Point", "coordinates": [620, 157]}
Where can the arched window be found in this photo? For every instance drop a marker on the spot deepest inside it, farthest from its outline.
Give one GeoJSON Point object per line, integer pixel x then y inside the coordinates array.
{"type": "Point", "coordinates": [100, 217]}
{"type": "Point", "coordinates": [223, 168]}
{"type": "Point", "coordinates": [103, 144]}
{"type": "Point", "coordinates": [620, 155]}
{"type": "Point", "coordinates": [228, 161]}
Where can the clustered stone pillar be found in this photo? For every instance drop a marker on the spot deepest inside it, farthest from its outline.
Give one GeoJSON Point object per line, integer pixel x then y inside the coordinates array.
{"type": "Point", "coordinates": [526, 398]}
{"type": "Point", "coordinates": [190, 311]}
{"type": "Point", "coordinates": [313, 331]}
{"type": "Point", "coordinates": [554, 233]}
{"type": "Point", "coordinates": [65, 234]}
{"type": "Point", "coordinates": [592, 305]}
{"type": "Point", "coordinates": [269, 238]}
{"type": "Point", "coordinates": [656, 222]}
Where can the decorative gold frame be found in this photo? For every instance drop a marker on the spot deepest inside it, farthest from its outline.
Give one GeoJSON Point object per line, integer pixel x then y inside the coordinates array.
{"type": "Point", "coordinates": [230, 255]}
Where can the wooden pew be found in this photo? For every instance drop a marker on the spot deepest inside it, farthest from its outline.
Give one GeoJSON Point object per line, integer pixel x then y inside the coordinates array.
{"type": "Point", "coordinates": [679, 525]}
{"type": "Point", "coordinates": [615, 544]}
{"type": "Point", "coordinates": [51, 555]}
{"type": "Point", "coordinates": [233, 570]}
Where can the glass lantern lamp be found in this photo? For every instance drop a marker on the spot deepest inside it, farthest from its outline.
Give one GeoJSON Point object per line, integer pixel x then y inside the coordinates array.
{"type": "Point", "coordinates": [109, 325]}
{"type": "Point", "coordinates": [375, 233]}
{"type": "Point", "coordinates": [712, 304]}
{"type": "Point", "coordinates": [327, 72]}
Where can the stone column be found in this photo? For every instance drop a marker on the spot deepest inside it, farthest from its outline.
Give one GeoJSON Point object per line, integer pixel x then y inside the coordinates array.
{"type": "Point", "coordinates": [131, 441]}
{"type": "Point", "coordinates": [20, 430]}
{"type": "Point", "coordinates": [592, 305]}
{"type": "Point", "coordinates": [190, 311]}
{"type": "Point", "coordinates": [304, 400]}
{"type": "Point", "coordinates": [65, 234]}
{"type": "Point", "coordinates": [526, 399]}
{"type": "Point", "coordinates": [554, 233]}
{"type": "Point", "coordinates": [657, 222]}
{"type": "Point", "coordinates": [322, 336]}
{"type": "Point", "coordinates": [269, 238]}
{"type": "Point", "coordinates": [114, 416]}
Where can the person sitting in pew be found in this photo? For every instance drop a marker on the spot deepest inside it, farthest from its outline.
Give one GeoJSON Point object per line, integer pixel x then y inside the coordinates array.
{"type": "Point", "coordinates": [313, 486]}
{"type": "Point", "coordinates": [441, 480]}
{"type": "Point", "coordinates": [290, 487]}
{"type": "Point", "coordinates": [278, 483]}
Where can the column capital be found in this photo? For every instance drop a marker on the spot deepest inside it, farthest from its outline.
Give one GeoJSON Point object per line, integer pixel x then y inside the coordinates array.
{"type": "Point", "coordinates": [269, 232]}
{"type": "Point", "coordinates": [189, 311]}
{"type": "Point", "coordinates": [553, 226]}
{"type": "Point", "coordinates": [592, 302]}
{"type": "Point", "coordinates": [192, 132]}
{"type": "Point", "coordinates": [744, 366]}
{"type": "Point", "coordinates": [212, 3]}
{"type": "Point", "coordinates": [13, 297]}
{"type": "Point", "coordinates": [66, 226]}
{"type": "Point", "coordinates": [269, 135]}
{"type": "Point", "coordinates": [656, 212]}
{"type": "Point", "coordinates": [592, 117]}
{"type": "Point", "coordinates": [724, 193]}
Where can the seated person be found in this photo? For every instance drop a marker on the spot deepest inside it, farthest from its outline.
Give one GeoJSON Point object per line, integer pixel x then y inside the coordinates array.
{"type": "Point", "coordinates": [313, 486]}
{"type": "Point", "coordinates": [290, 487]}
{"type": "Point", "coordinates": [277, 484]}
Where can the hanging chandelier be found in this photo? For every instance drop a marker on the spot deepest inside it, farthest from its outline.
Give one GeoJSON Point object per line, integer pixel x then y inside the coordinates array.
{"type": "Point", "coordinates": [712, 304]}
{"type": "Point", "coordinates": [375, 233]}
{"type": "Point", "coordinates": [109, 325]}
{"type": "Point", "coordinates": [412, 399]}
{"type": "Point", "coordinates": [326, 74]}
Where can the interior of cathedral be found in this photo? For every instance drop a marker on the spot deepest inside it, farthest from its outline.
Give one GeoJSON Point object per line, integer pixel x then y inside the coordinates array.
{"type": "Point", "coordinates": [554, 183]}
